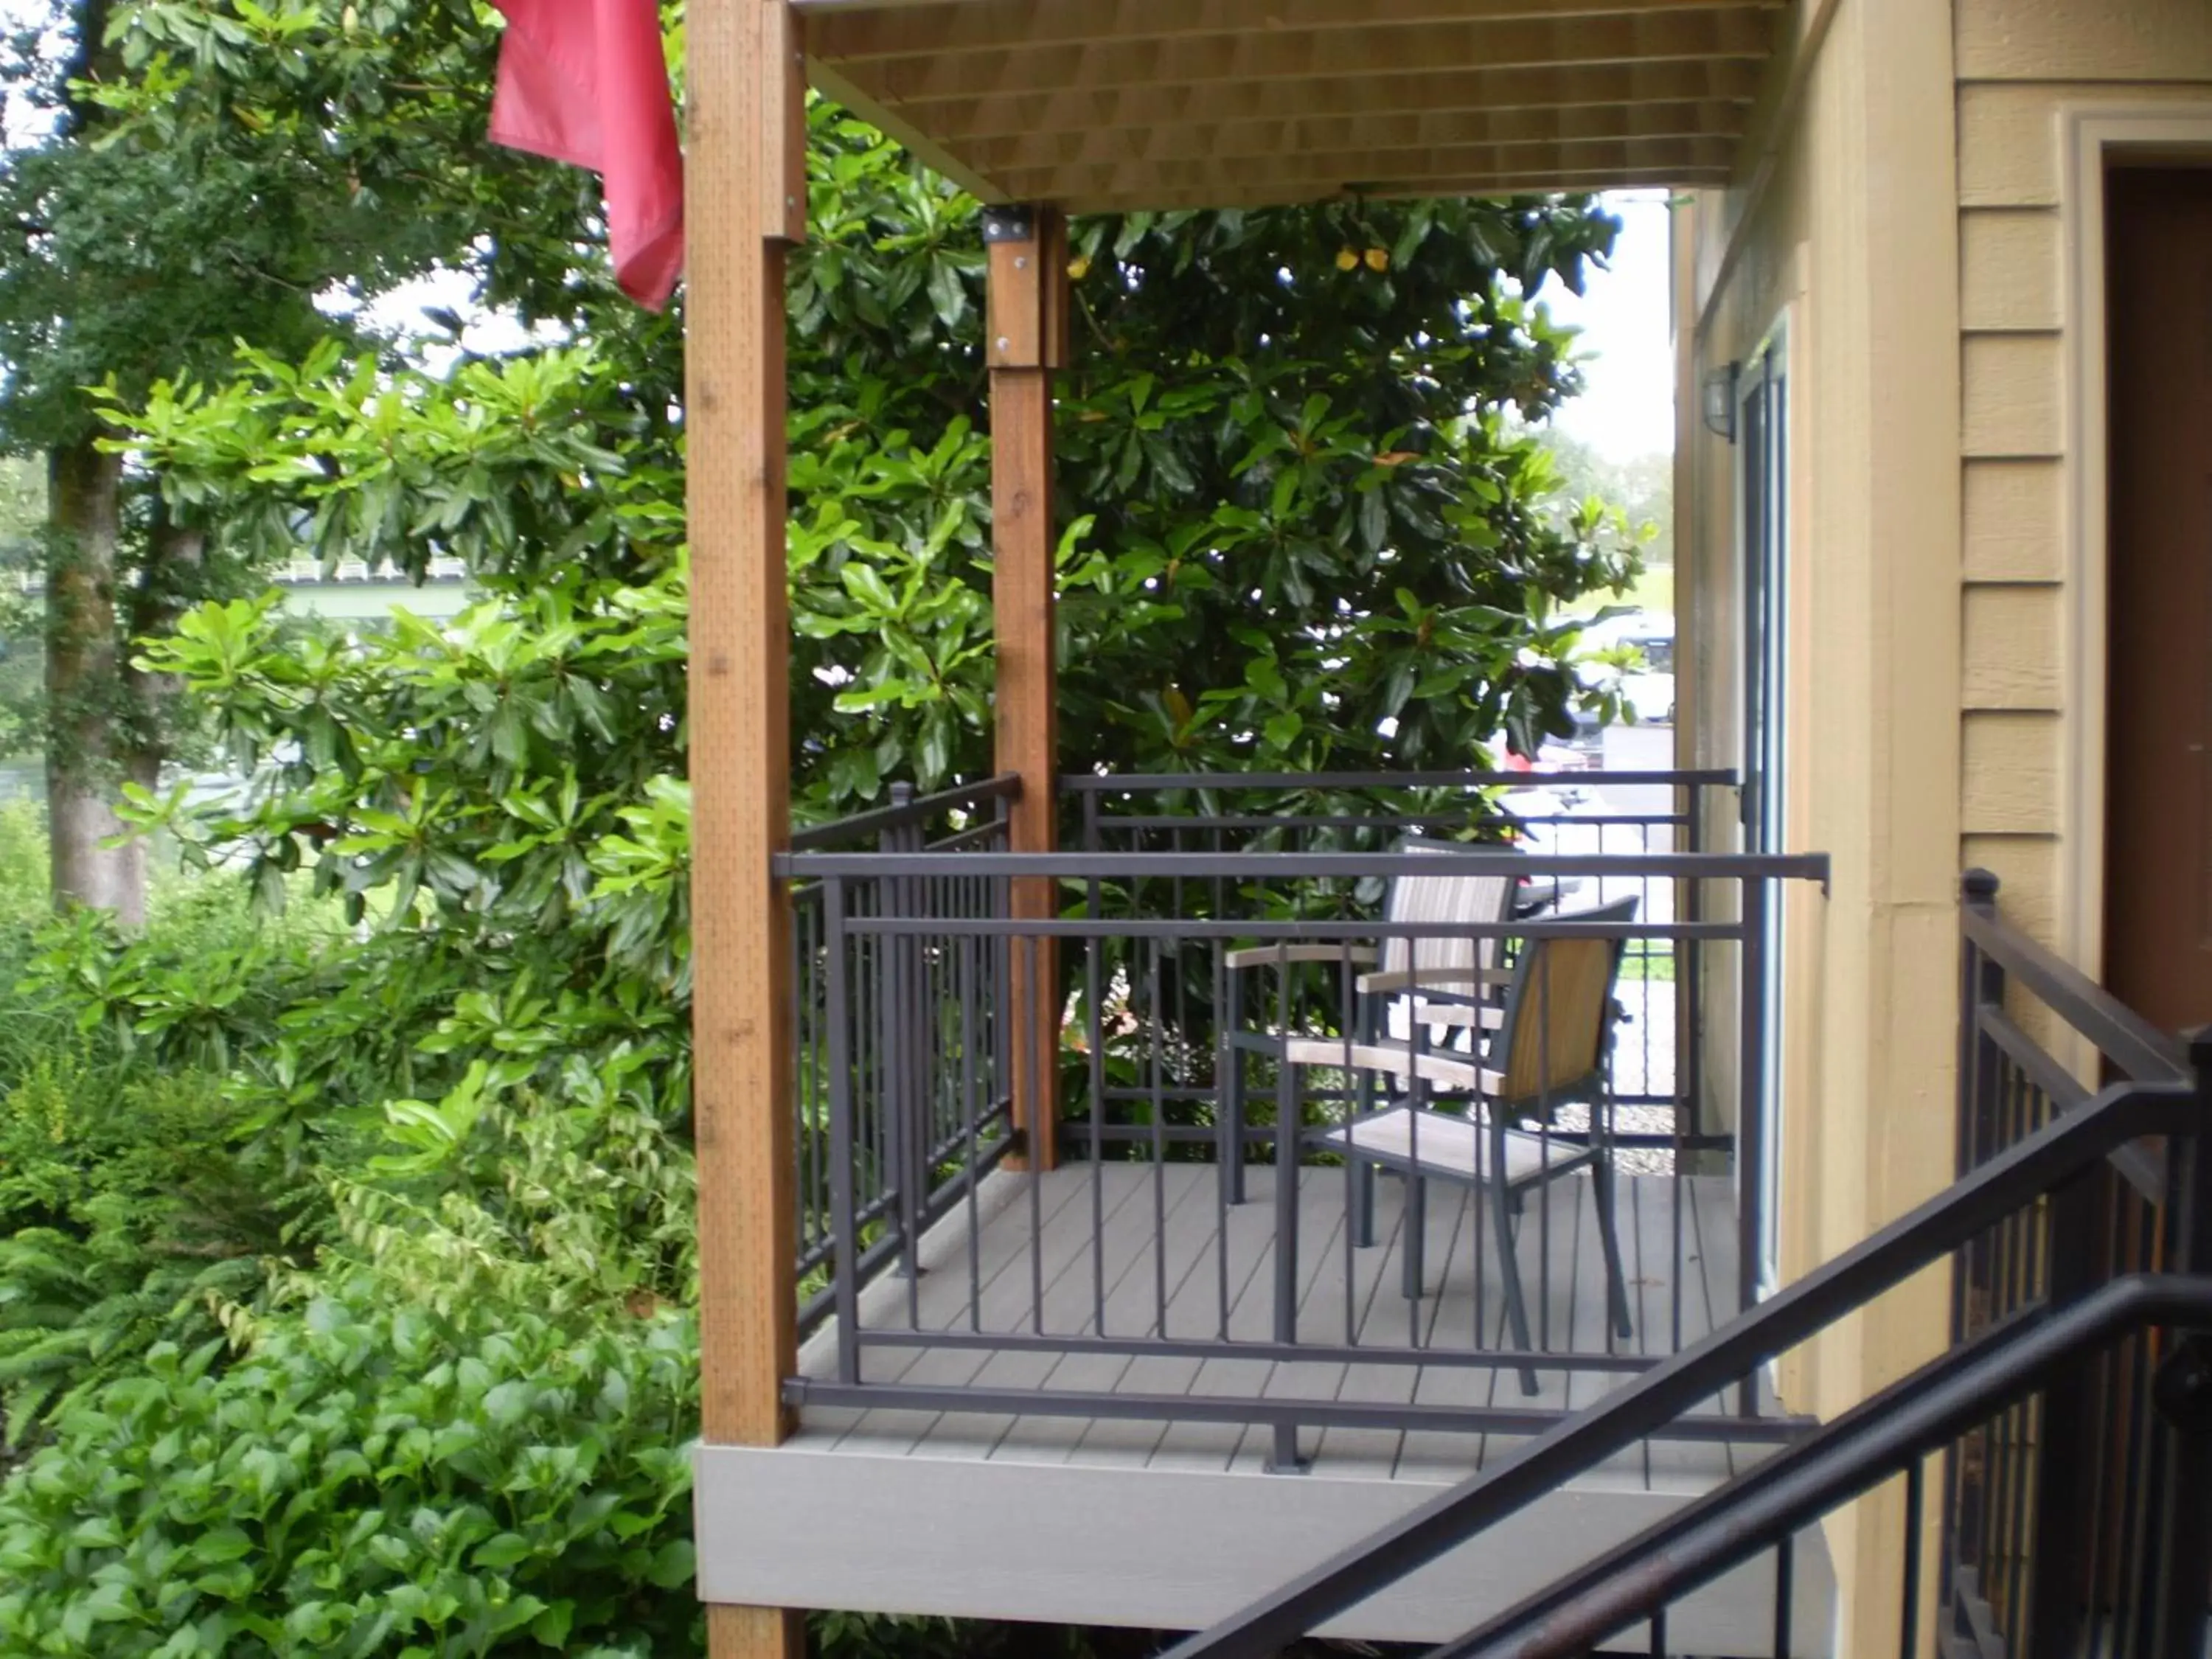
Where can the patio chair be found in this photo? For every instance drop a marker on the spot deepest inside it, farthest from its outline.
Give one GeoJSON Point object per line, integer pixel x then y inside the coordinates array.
{"type": "Point", "coordinates": [1449, 901]}
{"type": "Point", "coordinates": [1548, 1046]}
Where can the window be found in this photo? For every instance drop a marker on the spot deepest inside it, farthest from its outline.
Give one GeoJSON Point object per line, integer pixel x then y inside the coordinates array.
{"type": "Point", "coordinates": [1762, 459]}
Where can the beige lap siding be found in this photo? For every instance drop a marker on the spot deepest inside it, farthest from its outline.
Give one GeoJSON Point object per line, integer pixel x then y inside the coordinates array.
{"type": "Point", "coordinates": [2020, 64]}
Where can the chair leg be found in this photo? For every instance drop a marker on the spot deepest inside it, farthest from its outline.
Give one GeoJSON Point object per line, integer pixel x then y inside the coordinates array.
{"type": "Point", "coordinates": [1616, 1282]}
{"type": "Point", "coordinates": [1415, 1229]}
{"type": "Point", "coordinates": [1363, 1204]}
{"type": "Point", "coordinates": [1508, 1263]}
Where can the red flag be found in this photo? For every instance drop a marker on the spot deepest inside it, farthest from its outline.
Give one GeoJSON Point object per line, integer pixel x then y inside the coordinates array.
{"type": "Point", "coordinates": [585, 81]}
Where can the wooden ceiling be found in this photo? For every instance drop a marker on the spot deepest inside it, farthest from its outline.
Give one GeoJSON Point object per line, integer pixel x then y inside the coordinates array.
{"type": "Point", "coordinates": [1108, 105]}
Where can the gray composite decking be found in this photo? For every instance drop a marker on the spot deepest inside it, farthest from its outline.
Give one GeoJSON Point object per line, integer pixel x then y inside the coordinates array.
{"type": "Point", "coordinates": [1216, 1280]}
{"type": "Point", "coordinates": [1170, 1525]}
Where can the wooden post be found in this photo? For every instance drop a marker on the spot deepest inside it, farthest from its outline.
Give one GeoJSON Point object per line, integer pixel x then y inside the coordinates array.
{"type": "Point", "coordinates": [1027, 340]}
{"type": "Point", "coordinates": [744, 203]}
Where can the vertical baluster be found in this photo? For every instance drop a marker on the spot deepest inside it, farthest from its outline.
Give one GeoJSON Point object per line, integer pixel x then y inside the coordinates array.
{"type": "Point", "coordinates": [1028, 960]}
{"type": "Point", "coordinates": [1785, 1560]}
{"type": "Point", "coordinates": [1752, 1105]}
{"type": "Point", "coordinates": [1229, 1141]}
{"type": "Point", "coordinates": [845, 1243]}
{"type": "Point", "coordinates": [971, 1106]}
{"type": "Point", "coordinates": [1094, 992]}
{"type": "Point", "coordinates": [1544, 1109]}
{"type": "Point", "coordinates": [1286, 1457]}
{"type": "Point", "coordinates": [1689, 988]}
{"type": "Point", "coordinates": [1908, 1641]}
{"type": "Point", "coordinates": [1358, 1213]}
{"type": "Point", "coordinates": [1159, 1108]}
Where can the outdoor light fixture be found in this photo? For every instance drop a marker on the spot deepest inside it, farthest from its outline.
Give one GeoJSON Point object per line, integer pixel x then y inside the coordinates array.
{"type": "Point", "coordinates": [1720, 400]}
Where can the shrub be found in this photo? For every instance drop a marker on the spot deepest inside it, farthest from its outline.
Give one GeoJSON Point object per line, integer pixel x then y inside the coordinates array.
{"type": "Point", "coordinates": [370, 1479]}
{"type": "Point", "coordinates": [128, 1216]}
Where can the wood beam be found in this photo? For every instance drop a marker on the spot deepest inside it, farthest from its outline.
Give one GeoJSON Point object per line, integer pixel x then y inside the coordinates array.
{"type": "Point", "coordinates": [1158, 201]}
{"type": "Point", "coordinates": [847, 33]}
{"type": "Point", "coordinates": [1020, 114]}
{"type": "Point", "coordinates": [1388, 169]}
{"type": "Point", "coordinates": [1334, 134]}
{"type": "Point", "coordinates": [1219, 59]}
{"type": "Point", "coordinates": [1026, 341]}
{"type": "Point", "coordinates": [745, 196]}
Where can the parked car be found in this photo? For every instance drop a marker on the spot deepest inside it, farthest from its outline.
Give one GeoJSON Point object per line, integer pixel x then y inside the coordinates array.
{"type": "Point", "coordinates": [1646, 685]}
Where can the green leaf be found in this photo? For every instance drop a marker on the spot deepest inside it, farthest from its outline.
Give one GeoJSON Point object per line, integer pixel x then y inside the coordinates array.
{"type": "Point", "coordinates": [503, 1551]}
{"type": "Point", "coordinates": [672, 1564]}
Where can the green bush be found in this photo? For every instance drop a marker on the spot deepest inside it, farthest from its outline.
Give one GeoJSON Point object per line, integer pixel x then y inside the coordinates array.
{"type": "Point", "coordinates": [371, 1479]}
{"type": "Point", "coordinates": [129, 1215]}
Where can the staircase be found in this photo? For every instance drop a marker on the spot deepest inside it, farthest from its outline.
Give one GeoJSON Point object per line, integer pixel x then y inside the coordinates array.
{"type": "Point", "coordinates": [2058, 1457]}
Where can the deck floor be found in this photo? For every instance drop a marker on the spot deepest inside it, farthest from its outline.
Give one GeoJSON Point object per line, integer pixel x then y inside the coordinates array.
{"type": "Point", "coordinates": [1166, 1260]}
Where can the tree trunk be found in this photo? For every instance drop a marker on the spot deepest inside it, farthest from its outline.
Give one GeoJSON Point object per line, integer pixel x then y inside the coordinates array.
{"type": "Point", "coordinates": [84, 686]}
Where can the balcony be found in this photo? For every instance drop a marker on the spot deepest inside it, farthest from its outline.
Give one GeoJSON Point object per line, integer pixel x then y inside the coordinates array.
{"type": "Point", "coordinates": [1088, 1337]}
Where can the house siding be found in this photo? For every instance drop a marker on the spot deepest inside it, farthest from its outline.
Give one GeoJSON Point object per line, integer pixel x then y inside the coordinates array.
{"type": "Point", "coordinates": [2020, 63]}
{"type": "Point", "coordinates": [1853, 245]}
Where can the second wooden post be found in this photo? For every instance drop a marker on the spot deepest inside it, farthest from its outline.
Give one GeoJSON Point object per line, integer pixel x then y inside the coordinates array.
{"type": "Point", "coordinates": [1027, 341]}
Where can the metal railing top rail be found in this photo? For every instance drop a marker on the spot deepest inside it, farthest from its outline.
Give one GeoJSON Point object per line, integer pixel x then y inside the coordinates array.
{"type": "Point", "coordinates": [2121, 1035]}
{"type": "Point", "coordinates": [1079, 783]}
{"type": "Point", "coordinates": [1872, 1443]}
{"type": "Point", "coordinates": [1688, 866]}
{"type": "Point", "coordinates": [902, 815]}
{"type": "Point", "coordinates": [2020, 1175]}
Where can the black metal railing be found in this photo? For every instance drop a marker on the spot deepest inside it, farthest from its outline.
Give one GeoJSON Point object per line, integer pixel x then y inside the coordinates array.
{"type": "Point", "coordinates": [2068, 1430]}
{"type": "Point", "coordinates": [933, 1104]}
{"type": "Point", "coordinates": [1190, 980]}
{"type": "Point", "coordinates": [1588, 812]}
{"type": "Point", "coordinates": [2057, 1507]}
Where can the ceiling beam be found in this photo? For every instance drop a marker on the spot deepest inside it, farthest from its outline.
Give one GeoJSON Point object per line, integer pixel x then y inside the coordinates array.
{"type": "Point", "coordinates": [1394, 171]}
{"type": "Point", "coordinates": [854, 34]}
{"type": "Point", "coordinates": [1165, 201]}
{"type": "Point", "coordinates": [1018, 114]}
{"type": "Point", "coordinates": [1367, 55]}
{"type": "Point", "coordinates": [1419, 131]}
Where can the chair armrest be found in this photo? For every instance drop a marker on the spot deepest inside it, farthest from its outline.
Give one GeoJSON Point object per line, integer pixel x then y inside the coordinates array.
{"type": "Point", "coordinates": [1488, 1015]}
{"type": "Point", "coordinates": [1267, 956]}
{"type": "Point", "coordinates": [1413, 979]}
{"type": "Point", "coordinates": [1452, 1070]}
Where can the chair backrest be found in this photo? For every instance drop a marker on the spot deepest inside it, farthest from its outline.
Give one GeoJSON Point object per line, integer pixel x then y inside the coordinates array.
{"type": "Point", "coordinates": [1450, 901]}
{"type": "Point", "coordinates": [1558, 1012]}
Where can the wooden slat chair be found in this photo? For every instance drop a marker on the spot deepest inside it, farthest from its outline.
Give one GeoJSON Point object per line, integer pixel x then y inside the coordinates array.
{"type": "Point", "coordinates": [1449, 901]}
{"type": "Point", "coordinates": [1549, 1047]}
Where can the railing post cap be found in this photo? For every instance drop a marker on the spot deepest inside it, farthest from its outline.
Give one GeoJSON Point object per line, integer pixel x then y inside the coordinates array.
{"type": "Point", "coordinates": [2199, 1039]}
{"type": "Point", "coordinates": [1980, 886]}
{"type": "Point", "coordinates": [902, 794]}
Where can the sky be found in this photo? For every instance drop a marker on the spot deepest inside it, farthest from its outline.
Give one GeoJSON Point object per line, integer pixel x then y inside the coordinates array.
{"type": "Point", "coordinates": [1628, 408]}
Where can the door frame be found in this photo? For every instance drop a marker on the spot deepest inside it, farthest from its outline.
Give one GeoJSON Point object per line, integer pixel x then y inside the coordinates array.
{"type": "Point", "coordinates": [1769, 770]}
{"type": "Point", "coordinates": [2091, 138]}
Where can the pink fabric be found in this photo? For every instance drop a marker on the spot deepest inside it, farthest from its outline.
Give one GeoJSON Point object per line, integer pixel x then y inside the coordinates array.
{"type": "Point", "coordinates": [585, 82]}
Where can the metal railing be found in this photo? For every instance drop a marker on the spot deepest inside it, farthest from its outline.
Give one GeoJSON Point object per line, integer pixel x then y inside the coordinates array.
{"type": "Point", "coordinates": [2072, 1416]}
{"type": "Point", "coordinates": [933, 1117]}
{"type": "Point", "coordinates": [2057, 1506]}
{"type": "Point", "coordinates": [1581, 812]}
{"type": "Point", "coordinates": [1149, 1248]}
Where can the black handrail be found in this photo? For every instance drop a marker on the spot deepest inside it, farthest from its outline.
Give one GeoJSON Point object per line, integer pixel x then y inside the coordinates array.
{"type": "Point", "coordinates": [2020, 1176]}
{"type": "Point", "coordinates": [1076, 866]}
{"type": "Point", "coordinates": [1080, 783]}
{"type": "Point", "coordinates": [2123, 1035]}
{"type": "Point", "coordinates": [1847, 1458]}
